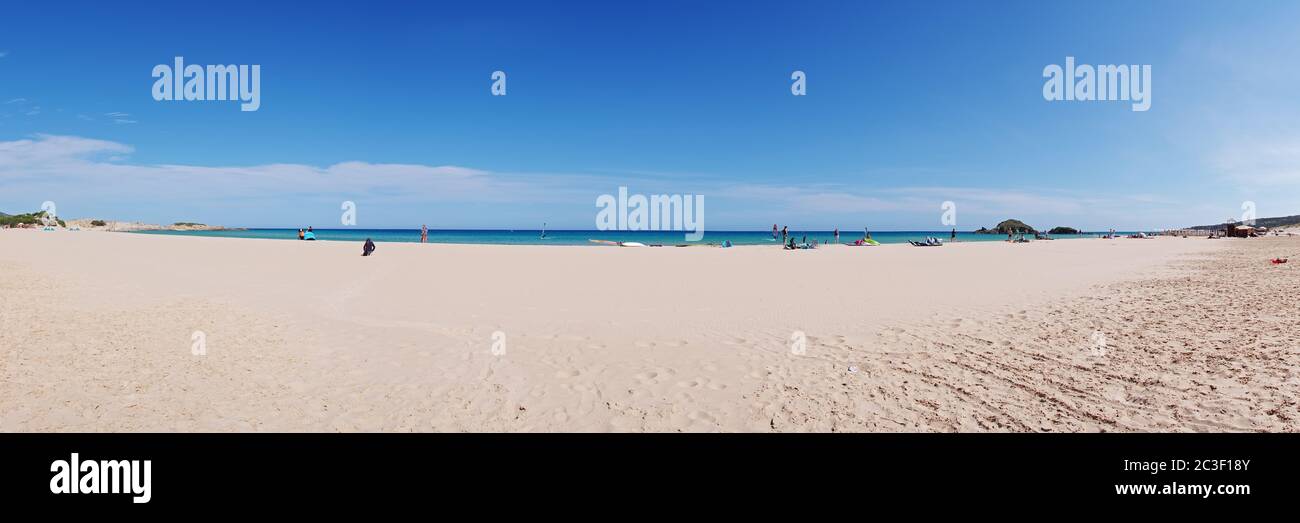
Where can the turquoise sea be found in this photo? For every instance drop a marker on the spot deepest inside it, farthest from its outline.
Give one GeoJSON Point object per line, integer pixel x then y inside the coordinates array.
{"type": "Point", "coordinates": [570, 237]}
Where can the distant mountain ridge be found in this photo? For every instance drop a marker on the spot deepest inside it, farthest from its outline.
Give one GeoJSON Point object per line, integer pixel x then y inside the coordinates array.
{"type": "Point", "coordinates": [1281, 221]}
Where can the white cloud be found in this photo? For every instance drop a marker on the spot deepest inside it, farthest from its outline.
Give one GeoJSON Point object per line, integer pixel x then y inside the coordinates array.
{"type": "Point", "coordinates": [90, 169]}
{"type": "Point", "coordinates": [98, 174]}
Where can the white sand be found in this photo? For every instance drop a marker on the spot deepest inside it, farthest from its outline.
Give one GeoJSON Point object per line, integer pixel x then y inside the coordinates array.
{"type": "Point", "coordinates": [95, 335]}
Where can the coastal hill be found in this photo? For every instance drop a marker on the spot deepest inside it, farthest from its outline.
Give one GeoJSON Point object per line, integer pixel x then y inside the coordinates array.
{"type": "Point", "coordinates": [34, 219]}
{"type": "Point", "coordinates": [1272, 223]}
{"type": "Point", "coordinates": [1008, 227]}
{"type": "Point", "coordinates": [31, 219]}
{"type": "Point", "coordinates": [109, 225]}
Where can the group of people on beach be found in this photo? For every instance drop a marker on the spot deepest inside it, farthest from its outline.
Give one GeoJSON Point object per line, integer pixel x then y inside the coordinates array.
{"type": "Point", "coordinates": [367, 249]}
{"type": "Point", "coordinates": [787, 241]}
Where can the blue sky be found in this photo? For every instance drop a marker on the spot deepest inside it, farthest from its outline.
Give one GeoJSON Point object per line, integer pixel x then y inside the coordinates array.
{"type": "Point", "coordinates": [908, 105]}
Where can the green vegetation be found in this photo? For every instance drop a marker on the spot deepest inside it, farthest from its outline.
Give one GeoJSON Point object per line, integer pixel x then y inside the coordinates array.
{"type": "Point", "coordinates": [1063, 230]}
{"type": "Point", "coordinates": [1008, 227]}
{"type": "Point", "coordinates": [1272, 223]}
{"type": "Point", "coordinates": [98, 223]}
{"type": "Point", "coordinates": [32, 218]}
{"type": "Point", "coordinates": [187, 224]}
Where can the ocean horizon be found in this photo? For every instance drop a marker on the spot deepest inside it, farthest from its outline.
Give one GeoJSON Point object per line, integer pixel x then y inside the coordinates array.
{"type": "Point", "coordinates": [584, 237]}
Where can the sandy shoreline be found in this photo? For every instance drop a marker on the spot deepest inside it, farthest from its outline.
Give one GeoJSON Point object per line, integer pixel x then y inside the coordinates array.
{"type": "Point", "coordinates": [96, 336]}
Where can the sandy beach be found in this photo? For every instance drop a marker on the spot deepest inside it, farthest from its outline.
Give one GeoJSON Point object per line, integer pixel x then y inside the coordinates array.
{"type": "Point", "coordinates": [1169, 334]}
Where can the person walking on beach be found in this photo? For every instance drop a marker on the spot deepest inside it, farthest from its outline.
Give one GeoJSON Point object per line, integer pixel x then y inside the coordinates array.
{"type": "Point", "coordinates": [424, 234]}
{"type": "Point", "coordinates": [368, 248]}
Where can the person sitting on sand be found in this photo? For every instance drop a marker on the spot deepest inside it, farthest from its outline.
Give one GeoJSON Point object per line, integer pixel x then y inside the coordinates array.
{"type": "Point", "coordinates": [368, 248]}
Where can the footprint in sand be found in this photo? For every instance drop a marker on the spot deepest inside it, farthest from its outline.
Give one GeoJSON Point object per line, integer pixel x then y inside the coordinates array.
{"type": "Point", "coordinates": [693, 384]}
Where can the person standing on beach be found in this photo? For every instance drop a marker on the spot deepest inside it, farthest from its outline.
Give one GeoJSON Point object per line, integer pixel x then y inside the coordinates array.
{"type": "Point", "coordinates": [424, 234]}
{"type": "Point", "coordinates": [954, 235]}
{"type": "Point", "coordinates": [774, 232]}
{"type": "Point", "coordinates": [300, 234]}
{"type": "Point", "coordinates": [785, 232]}
{"type": "Point", "coordinates": [837, 235]}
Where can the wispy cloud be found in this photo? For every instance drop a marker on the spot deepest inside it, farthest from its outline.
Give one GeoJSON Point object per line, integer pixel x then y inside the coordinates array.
{"type": "Point", "coordinates": [120, 117]}
{"type": "Point", "coordinates": [4, 54]}
{"type": "Point", "coordinates": [90, 169]}
{"type": "Point", "coordinates": [16, 101]}
{"type": "Point", "coordinates": [47, 167]}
